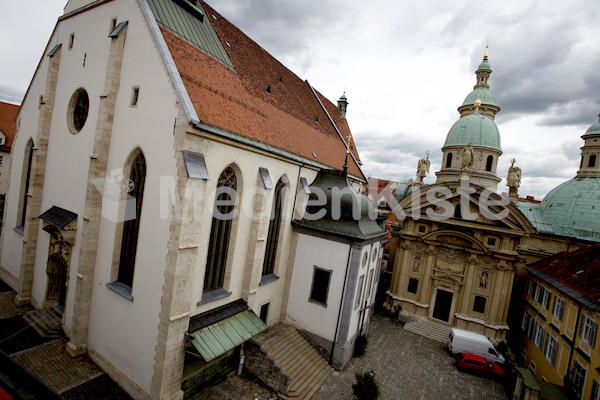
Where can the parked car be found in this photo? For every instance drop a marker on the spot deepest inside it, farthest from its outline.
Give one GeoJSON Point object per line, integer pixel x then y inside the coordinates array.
{"type": "Point", "coordinates": [478, 365]}
{"type": "Point", "coordinates": [460, 341]}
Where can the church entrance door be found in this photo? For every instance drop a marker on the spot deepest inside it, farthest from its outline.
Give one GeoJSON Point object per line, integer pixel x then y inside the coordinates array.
{"type": "Point", "coordinates": [57, 280]}
{"type": "Point", "coordinates": [443, 301]}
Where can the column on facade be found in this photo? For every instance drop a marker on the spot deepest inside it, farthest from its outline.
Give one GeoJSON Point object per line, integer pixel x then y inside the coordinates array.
{"type": "Point", "coordinates": [256, 242]}
{"type": "Point", "coordinates": [175, 311]}
{"type": "Point", "coordinates": [497, 293]}
{"type": "Point", "coordinates": [427, 275]}
{"type": "Point", "coordinates": [402, 276]}
{"type": "Point", "coordinates": [93, 201]}
{"type": "Point", "coordinates": [467, 289]}
{"type": "Point", "coordinates": [38, 174]}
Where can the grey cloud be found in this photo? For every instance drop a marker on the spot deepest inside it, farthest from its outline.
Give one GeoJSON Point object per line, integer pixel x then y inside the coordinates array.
{"type": "Point", "coordinates": [286, 29]}
{"type": "Point", "coordinates": [10, 94]}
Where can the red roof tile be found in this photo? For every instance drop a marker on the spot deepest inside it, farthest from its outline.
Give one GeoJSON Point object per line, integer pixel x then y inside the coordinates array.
{"type": "Point", "coordinates": [579, 270]}
{"type": "Point", "coordinates": [237, 101]}
{"type": "Point", "coordinates": [8, 125]}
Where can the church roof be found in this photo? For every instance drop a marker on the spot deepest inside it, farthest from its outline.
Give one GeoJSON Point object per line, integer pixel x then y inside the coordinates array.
{"type": "Point", "coordinates": [574, 207]}
{"type": "Point", "coordinates": [576, 274]}
{"type": "Point", "coordinates": [485, 64]}
{"type": "Point", "coordinates": [482, 94]}
{"type": "Point", "coordinates": [594, 129]}
{"type": "Point", "coordinates": [476, 129]}
{"type": "Point", "coordinates": [8, 125]}
{"type": "Point", "coordinates": [237, 87]}
{"type": "Point", "coordinates": [347, 212]}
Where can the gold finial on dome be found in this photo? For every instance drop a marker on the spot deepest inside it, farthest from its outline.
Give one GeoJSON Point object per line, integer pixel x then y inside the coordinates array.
{"type": "Point", "coordinates": [486, 49]}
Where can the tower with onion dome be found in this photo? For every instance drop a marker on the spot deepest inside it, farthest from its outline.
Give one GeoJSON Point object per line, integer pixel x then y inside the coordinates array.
{"type": "Point", "coordinates": [476, 127]}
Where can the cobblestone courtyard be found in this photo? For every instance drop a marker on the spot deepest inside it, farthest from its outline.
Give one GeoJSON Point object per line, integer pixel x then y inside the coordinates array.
{"type": "Point", "coordinates": [409, 366]}
{"type": "Point", "coordinates": [406, 365]}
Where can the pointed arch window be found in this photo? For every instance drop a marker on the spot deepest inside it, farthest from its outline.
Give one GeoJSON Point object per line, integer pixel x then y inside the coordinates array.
{"type": "Point", "coordinates": [131, 227]}
{"type": "Point", "coordinates": [489, 163]}
{"type": "Point", "coordinates": [449, 160]}
{"type": "Point", "coordinates": [25, 181]}
{"type": "Point", "coordinates": [274, 227]}
{"type": "Point", "coordinates": [220, 230]}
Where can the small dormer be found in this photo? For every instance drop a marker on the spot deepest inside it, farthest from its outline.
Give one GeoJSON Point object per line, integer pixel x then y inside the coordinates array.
{"type": "Point", "coordinates": [2, 138]}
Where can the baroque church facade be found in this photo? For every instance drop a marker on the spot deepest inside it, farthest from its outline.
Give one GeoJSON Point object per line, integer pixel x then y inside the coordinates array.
{"type": "Point", "coordinates": [459, 249]}
{"type": "Point", "coordinates": [159, 189]}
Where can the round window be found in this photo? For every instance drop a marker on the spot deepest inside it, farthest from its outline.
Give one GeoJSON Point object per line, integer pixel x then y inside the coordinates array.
{"type": "Point", "coordinates": [78, 111]}
{"type": "Point", "coordinates": [365, 258]}
{"type": "Point", "coordinates": [374, 256]}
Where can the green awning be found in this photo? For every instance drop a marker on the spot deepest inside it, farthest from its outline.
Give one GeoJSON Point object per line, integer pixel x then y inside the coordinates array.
{"type": "Point", "coordinates": [222, 336]}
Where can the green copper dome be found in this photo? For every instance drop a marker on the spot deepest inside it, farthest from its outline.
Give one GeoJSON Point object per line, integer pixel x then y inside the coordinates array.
{"type": "Point", "coordinates": [475, 129]}
{"type": "Point", "coordinates": [484, 65]}
{"type": "Point", "coordinates": [484, 95]}
{"type": "Point", "coordinates": [593, 130]}
{"type": "Point", "coordinates": [574, 207]}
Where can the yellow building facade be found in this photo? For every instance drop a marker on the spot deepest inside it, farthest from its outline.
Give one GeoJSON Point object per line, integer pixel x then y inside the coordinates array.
{"type": "Point", "coordinates": [560, 322]}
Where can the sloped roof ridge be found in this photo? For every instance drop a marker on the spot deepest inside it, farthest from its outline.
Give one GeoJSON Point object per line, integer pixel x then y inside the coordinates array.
{"type": "Point", "coordinates": [8, 123]}
{"type": "Point", "coordinates": [286, 115]}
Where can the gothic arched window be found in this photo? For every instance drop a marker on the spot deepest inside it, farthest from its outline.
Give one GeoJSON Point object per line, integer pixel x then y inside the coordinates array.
{"type": "Point", "coordinates": [449, 160]}
{"type": "Point", "coordinates": [274, 225]}
{"type": "Point", "coordinates": [131, 227]}
{"type": "Point", "coordinates": [25, 180]}
{"type": "Point", "coordinates": [220, 230]}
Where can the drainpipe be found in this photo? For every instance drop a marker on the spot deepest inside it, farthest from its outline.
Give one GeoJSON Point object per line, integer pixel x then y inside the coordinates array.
{"type": "Point", "coordinates": [575, 333]}
{"type": "Point", "coordinates": [337, 326]}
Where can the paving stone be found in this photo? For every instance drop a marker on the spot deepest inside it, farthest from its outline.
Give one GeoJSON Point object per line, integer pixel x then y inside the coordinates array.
{"type": "Point", "coordinates": [17, 335]}
{"type": "Point", "coordinates": [409, 366]}
{"type": "Point", "coordinates": [51, 363]}
{"type": "Point", "coordinates": [47, 359]}
{"type": "Point", "coordinates": [8, 307]}
{"type": "Point", "coordinates": [99, 388]}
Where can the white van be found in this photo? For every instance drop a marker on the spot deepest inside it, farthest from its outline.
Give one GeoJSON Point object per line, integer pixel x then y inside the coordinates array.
{"type": "Point", "coordinates": [473, 343]}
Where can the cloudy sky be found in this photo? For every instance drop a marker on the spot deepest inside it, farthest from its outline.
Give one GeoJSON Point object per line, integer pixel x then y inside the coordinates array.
{"type": "Point", "coordinates": [406, 66]}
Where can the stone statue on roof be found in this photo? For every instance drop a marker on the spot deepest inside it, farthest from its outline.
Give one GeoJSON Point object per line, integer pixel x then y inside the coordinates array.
{"type": "Point", "coordinates": [467, 157]}
{"type": "Point", "coordinates": [513, 180]}
{"type": "Point", "coordinates": [423, 168]}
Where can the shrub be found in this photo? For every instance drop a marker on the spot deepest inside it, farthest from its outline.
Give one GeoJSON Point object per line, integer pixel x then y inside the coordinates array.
{"type": "Point", "coordinates": [366, 387]}
{"type": "Point", "coordinates": [361, 345]}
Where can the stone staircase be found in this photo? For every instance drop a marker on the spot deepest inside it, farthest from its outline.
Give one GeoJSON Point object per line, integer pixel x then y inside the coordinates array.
{"type": "Point", "coordinates": [286, 360]}
{"type": "Point", "coordinates": [47, 321]}
{"type": "Point", "coordinates": [430, 329]}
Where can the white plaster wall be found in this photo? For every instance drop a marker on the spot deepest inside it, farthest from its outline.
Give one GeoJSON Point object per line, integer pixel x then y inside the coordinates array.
{"type": "Point", "coordinates": [219, 156]}
{"type": "Point", "coordinates": [68, 155]}
{"type": "Point", "coordinates": [328, 255]}
{"type": "Point", "coordinates": [366, 271]}
{"type": "Point", "coordinates": [27, 128]}
{"type": "Point", "coordinates": [4, 171]}
{"type": "Point", "coordinates": [123, 331]}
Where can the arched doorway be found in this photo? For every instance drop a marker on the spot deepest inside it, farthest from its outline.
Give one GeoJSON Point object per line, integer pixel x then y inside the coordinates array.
{"type": "Point", "coordinates": [59, 253]}
{"type": "Point", "coordinates": [57, 281]}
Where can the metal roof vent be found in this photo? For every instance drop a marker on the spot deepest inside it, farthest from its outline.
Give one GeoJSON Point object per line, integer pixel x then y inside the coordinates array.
{"type": "Point", "coordinates": [267, 88]}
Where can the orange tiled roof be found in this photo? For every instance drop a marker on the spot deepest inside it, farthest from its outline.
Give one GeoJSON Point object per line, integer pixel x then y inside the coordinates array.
{"type": "Point", "coordinates": [579, 270]}
{"type": "Point", "coordinates": [8, 125]}
{"type": "Point", "coordinates": [237, 101]}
